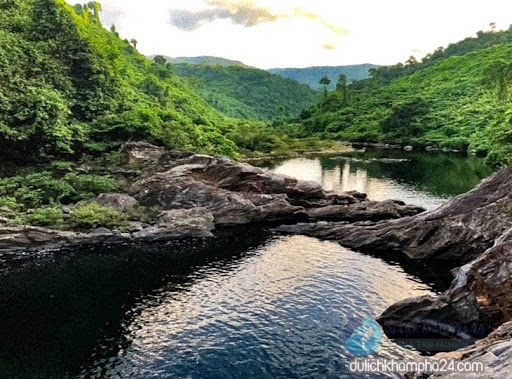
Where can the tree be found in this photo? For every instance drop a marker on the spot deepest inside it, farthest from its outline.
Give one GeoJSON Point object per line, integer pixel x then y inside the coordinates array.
{"type": "Point", "coordinates": [404, 119]}
{"type": "Point", "coordinates": [159, 59]}
{"type": "Point", "coordinates": [342, 88]}
{"type": "Point", "coordinates": [325, 81]}
{"type": "Point", "coordinates": [411, 61]}
{"type": "Point", "coordinates": [499, 74]}
{"type": "Point", "coordinates": [134, 42]}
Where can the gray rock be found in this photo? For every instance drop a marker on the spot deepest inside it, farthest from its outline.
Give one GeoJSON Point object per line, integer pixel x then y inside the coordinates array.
{"type": "Point", "coordinates": [478, 300]}
{"type": "Point", "coordinates": [367, 211]}
{"type": "Point", "coordinates": [141, 153]}
{"type": "Point", "coordinates": [117, 201]}
{"type": "Point", "coordinates": [197, 222]}
{"type": "Point", "coordinates": [457, 232]}
{"type": "Point", "coordinates": [494, 352]}
{"type": "Point", "coordinates": [101, 231]}
{"type": "Point", "coordinates": [408, 148]}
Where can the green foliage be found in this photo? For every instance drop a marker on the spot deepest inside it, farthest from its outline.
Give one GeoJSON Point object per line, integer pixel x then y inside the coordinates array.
{"type": "Point", "coordinates": [402, 122]}
{"type": "Point", "coordinates": [93, 215]}
{"type": "Point", "coordinates": [44, 216]}
{"type": "Point", "coordinates": [88, 186]}
{"type": "Point", "coordinates": [10, 202]}
{"type": "Point", "coordinates": [245, 92]}
{"type": "Point", "coordinates": [71, 87]}
{"type": "Point", "coordinates": [254, 136]}
{"type": "Point", "coordinates": [446, 101]}
{"type": "Point", "coordinates": [42, 188]}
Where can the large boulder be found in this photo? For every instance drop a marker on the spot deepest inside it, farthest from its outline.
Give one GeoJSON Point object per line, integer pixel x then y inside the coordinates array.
{"type": "Point", "coordinates": [365, 211]}
{"type": "Point", "coordinates": [478, 300]}
{"type": "Point", "coordinates": [457, 232]}
{"type": "Point", "coordinates": [235, 193]}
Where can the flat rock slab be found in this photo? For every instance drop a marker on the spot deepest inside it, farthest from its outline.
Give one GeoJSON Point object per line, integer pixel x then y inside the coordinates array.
{"type": "Point", "coordinates": [457, 232]}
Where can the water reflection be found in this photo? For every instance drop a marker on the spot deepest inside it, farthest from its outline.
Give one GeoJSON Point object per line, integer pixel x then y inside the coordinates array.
{"type": "Point", "coordinates": [279, 313]}
{"type": "Point", "coordinates": [425, 179]}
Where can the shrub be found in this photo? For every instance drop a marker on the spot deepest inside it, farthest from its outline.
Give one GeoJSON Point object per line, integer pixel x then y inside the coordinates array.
{"type": "Point", "coordinates": [38, 189]}
{"type": "Point", "coordinates": [93, 215]}
{"type": "Point", "coordinates": [88, 186]}
{"type": "Point", "coordinates": [45, 216]}
{"type": "Point", "coordinates": [9, 202]}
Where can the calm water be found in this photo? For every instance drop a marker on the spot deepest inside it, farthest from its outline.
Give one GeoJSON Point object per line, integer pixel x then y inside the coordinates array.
{"type": "Point", "coordinates": [426, 179]}
{"type": "Point", "coordinates": [253, 305]}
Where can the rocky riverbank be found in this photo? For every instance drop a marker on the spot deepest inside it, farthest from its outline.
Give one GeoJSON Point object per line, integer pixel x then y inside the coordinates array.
{"type": "Point", "coordinates": [195, 195]}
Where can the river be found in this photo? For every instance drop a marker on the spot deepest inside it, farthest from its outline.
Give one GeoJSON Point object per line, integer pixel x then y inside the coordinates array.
{"type": "Point", "coordinates": [254, 305]}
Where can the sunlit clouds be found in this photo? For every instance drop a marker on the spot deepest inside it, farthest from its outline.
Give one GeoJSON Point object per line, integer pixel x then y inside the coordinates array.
{"type": "Point", "coordinates": [300, 33]}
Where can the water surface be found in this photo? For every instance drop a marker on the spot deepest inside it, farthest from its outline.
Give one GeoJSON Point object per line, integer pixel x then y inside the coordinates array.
{"type": "Point", "coordinates": [250, 305]}
{"type": "Point", "coordinates": [419, 178]}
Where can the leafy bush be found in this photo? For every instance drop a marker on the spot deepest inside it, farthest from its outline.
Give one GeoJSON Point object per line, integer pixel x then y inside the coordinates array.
{"type": "Point", "coordinates": [88, 186]}
{"type": "Point", "coordinates": [93, 215]}
{"type": "Point", "coordinates": [9, 202]}
{"type": "Point", "coordinates": [45, 216]}
{"type": "Point", "coordinates": [38, 189]}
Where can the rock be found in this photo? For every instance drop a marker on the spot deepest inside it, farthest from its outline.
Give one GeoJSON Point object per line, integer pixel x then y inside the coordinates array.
{"type": "Point", "coordinates": [134, 226]}
{"type": "Point", "coordinates": [230, 190]}
{"type": "Point", "coordinates": [7, 212]}
{"type": "Point", "coordinates": [478, 300]}
{"type": "Point", "coordinates": [408, 148]}
{"type": "Point", "coordinates": [197, 222]}
{"type": "Point", "coordinates": [198, 193]}
{"type": "Point", "coordinates": [494, 352]}
{"type": "Point", "coordinates": [117, 201]}
{"type": "Point", "coordinates": [456, 233]}
{"type": "Point", "coordinates": [101, 231]}
{"type": "Point", "coordinates": [140, 153]}
{"type": "Point", "coordinates": [179, 223]}
{"type": "Point", "coordinates": [367, 211]}
{"type": "Point", "coordinates": [13, 238]}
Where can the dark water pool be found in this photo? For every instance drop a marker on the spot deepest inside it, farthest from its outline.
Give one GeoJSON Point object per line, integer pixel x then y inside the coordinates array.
{"type": "Point", "coordinates": [254, 305]}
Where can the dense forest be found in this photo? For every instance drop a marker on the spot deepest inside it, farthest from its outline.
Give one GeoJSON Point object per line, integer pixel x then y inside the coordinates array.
{"type": "Point", "coordinates": [455, 98]}
{"type": "Point", "coordinates": [70, 87]}
{"type": "Point", "coordinates": [244, 92]}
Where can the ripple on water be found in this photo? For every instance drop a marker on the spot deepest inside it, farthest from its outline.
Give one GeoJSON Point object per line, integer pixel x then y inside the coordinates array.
{"type": "Point", "coordinates": [278, 313]}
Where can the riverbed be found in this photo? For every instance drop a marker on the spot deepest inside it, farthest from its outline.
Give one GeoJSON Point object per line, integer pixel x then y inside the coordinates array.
{"type": "Point", "coordinates": [254, 305]}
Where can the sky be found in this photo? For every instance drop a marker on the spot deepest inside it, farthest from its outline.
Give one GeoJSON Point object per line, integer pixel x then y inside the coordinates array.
{"type": "Point", "coordinates": [302, 33]}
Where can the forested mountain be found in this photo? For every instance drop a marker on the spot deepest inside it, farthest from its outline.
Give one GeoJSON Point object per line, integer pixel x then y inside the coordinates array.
{"type": "Point", "coordinates": [457, 98]}
{"type": "Point", "coordinates": [312, 75]}
{"type": "Point", "coordinates": [69, 86]}
{"type": "Point", "coordinates": [244, 92]}
{"type": "Point", "coordinates": [203, 60]}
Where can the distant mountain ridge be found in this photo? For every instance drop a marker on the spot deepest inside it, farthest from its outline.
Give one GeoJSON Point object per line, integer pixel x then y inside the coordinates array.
{"type": "Point", "coordinates": [204, 59]}
{"type": "Point", "coordinates": [312, 75]}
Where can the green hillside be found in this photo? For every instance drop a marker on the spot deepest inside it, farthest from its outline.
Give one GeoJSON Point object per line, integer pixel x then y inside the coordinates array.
{"type": "Point", "coordinates": [246, 93]}
{"type": "Point", "coordinates": [449, 102]}
{"type": "Point", "coordinates": [312, 75]}
{"type": "Point", "coordinates": [203, 59]}
{"type": "Point", "coordinates": [71, 87]}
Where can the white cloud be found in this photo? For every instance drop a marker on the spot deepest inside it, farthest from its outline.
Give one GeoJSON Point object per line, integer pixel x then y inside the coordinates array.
{"type": "Point", "coordinates": [301, 33]}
